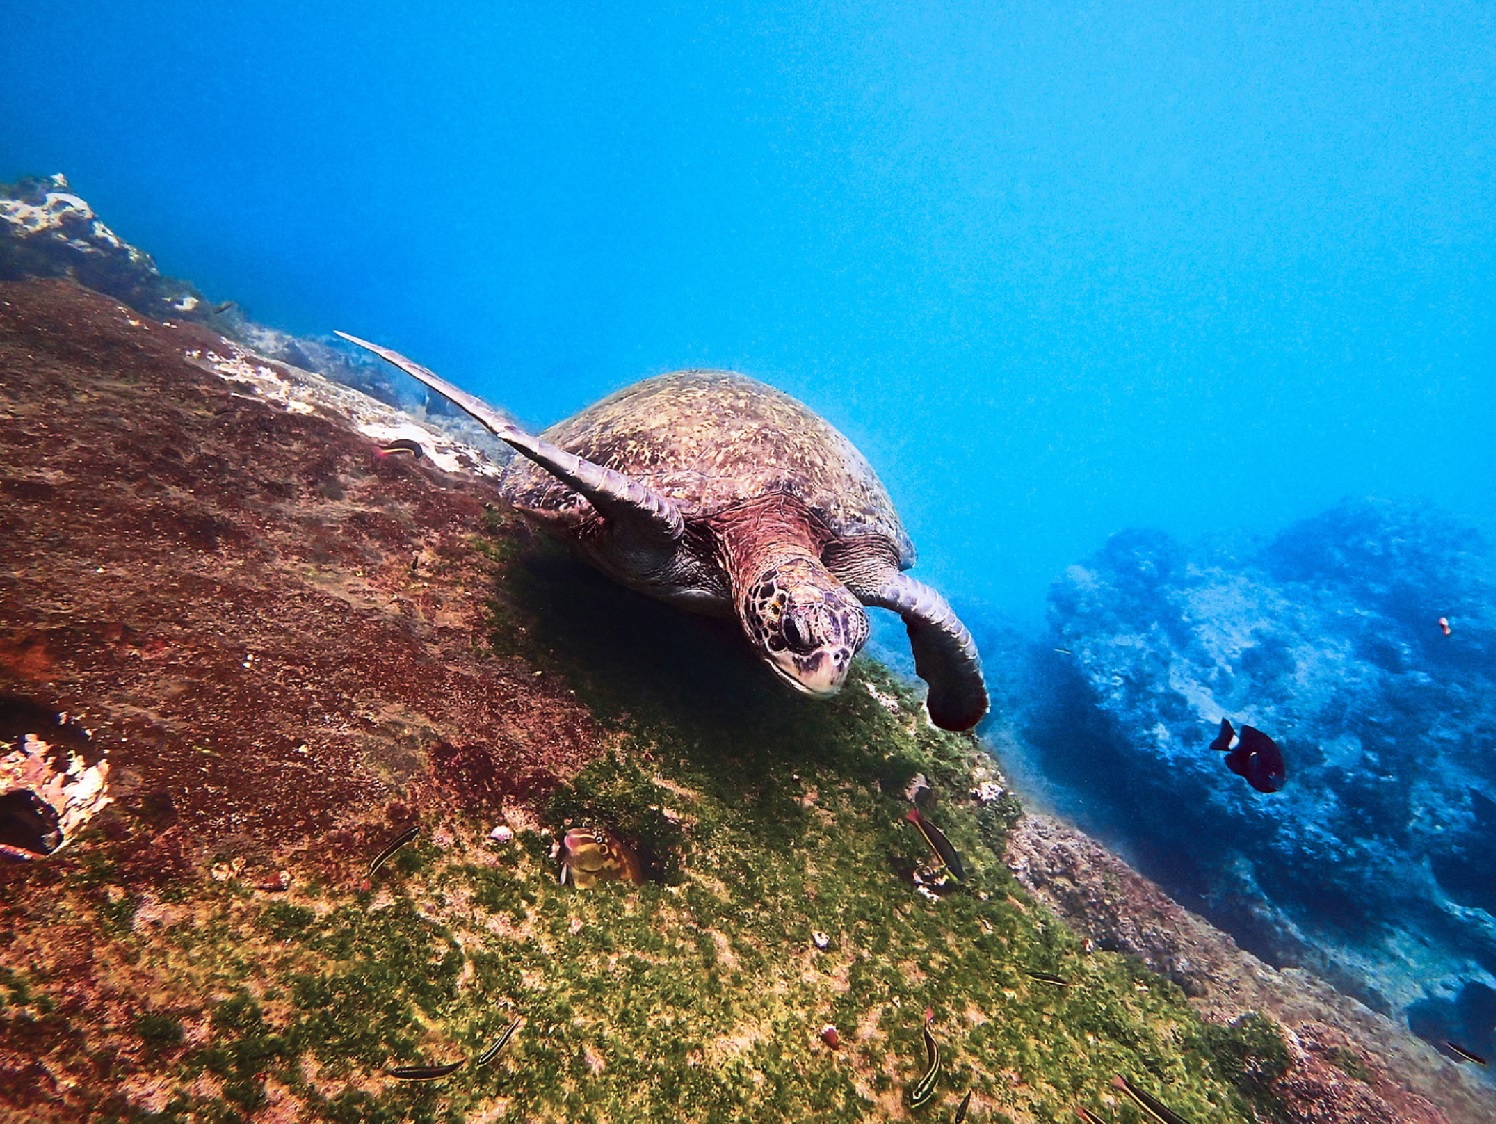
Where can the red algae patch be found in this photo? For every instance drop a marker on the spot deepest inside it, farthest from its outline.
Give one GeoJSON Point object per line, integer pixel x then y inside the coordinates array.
{"type": "Point", "coordinates": [258, 632]}
{"type": "Point", "coordinates": [184, 582]}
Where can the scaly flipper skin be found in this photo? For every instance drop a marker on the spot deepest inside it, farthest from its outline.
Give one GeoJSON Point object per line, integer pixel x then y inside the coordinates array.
{"type": "Point", "coordinates": [616, 497]}
{"type": "Point", "coordinates": [945, 656]}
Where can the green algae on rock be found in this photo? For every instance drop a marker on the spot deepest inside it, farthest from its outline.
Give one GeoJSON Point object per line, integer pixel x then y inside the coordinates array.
{"type": "Point", "coordinates": [144, 977]}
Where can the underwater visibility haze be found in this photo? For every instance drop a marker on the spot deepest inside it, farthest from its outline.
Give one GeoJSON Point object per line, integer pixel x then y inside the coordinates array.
{"type": "Point", "coordinates": [1170, 332]}
{"type": "Point", "coordinates": [1056, 269]}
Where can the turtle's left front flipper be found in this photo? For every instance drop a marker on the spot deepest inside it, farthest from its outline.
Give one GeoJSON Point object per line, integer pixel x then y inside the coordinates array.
{"type": "Point", "coordinates": [616, 497]}
{"type": "Point", "coordinates": [945, 656]}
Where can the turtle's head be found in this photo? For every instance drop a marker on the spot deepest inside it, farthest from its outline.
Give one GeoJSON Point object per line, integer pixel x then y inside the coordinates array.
{"type": "Point", "coordinates": [804, 623]}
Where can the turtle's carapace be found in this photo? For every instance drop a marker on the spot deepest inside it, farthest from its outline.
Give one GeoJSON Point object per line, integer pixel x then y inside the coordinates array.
{"type": "Point", "coordinates": [719, 494]}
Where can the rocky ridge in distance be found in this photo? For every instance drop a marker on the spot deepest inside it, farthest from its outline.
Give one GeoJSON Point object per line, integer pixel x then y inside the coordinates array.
{"type": "Point", "coordinates": [1372, 866]}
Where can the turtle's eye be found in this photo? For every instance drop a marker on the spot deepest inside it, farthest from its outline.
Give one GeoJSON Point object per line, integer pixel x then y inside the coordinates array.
{"type": "Point", "coordinates": [798, 635]}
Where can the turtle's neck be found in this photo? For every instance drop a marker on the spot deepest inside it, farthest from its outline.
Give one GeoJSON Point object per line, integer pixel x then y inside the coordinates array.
{"type": "Point", "coordinates": [762, 533]}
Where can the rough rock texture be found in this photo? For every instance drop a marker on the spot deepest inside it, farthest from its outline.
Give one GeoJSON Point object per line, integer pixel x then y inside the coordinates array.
{"type": "Point", "coordinates": [288, 648]}
{"type": "Point", "coordinates": [1373, 864]}
{"type": "Point", "coordinates": [710, 439]}
{"type": "Point", "coordinates": [194, 600]}
{"type": "Point", "coordinates": [46, 230]}
{"type": "Point", "coordinates": [1335, 1041]}
{"type": "Point", "coordinates": [49, 787]}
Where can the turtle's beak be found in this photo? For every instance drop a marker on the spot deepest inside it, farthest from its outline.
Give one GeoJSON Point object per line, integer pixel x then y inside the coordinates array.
{"type": "Point", "coordinates": [820, 673]}
{"type": "Point", "coordinates": [805, 624]}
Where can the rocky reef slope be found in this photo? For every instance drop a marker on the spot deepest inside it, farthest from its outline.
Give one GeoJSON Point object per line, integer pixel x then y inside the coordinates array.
{"type": "Point", "coordinates": [1373, 864]}
{"type": "Point", "coordinates": [243, 647]}
{"type": "Point", "coordinates": [48, 231]}
{"type": "Point", "coordinates": [1348, 1062]}
{"type": "Point", "coordinates": [287, 649]}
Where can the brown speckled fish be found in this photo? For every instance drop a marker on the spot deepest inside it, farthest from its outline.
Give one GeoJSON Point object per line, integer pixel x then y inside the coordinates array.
{"type": "Point", "coordinates": [590, 855]}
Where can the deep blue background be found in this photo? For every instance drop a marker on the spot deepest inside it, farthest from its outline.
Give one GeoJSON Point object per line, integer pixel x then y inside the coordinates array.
{"type": "Point", "coordinates": [1058, 268]}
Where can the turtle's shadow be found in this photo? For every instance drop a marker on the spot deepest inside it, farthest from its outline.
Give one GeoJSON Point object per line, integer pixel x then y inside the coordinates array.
{"type": "Point", "coordinates": [627, 655]}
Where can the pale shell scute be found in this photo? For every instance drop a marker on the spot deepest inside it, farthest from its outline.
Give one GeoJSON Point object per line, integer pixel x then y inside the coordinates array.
{"type": "Point", "coordinates": [710, 439]}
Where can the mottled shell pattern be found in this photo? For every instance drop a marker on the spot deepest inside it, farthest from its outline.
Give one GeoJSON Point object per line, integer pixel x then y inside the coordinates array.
{"type": "Point", "coordinates": [711, 439]}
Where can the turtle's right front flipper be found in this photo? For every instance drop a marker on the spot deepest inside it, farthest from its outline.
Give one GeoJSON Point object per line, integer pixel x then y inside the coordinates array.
{"type": "Point", "coordinates": [616, 496]}
{"type": "Point", "coordinates": [945, 656]}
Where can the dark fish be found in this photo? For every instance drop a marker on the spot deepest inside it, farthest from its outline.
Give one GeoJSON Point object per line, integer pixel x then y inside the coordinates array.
{"type": "Point", "coordinates": [1222, 742]}
{"type": "Point", "coordinates": [962, 1107]}
{"type": "Point", "coordinates": [423, 1072]}
{"type": "Point", "coordinates": [938, 843]}
{"type": "Point", "coordinates": [1258, 759]}
{"type": "Point", "coordinates": [1464, 1054]}
{"type": "Point", "coordinates": [488, 1054]}
{"type": "Point", "coordinates": [395, 844]}
{"type": "Point", "coordinates": [401, 446]}
{"type": "Point", "coordinates": [1049, 978]}
{"type": "Point", "coordinates": [1150, 1104]}
{"type": "Point", "coordinates": [220, 309]}
{"type": "Point", "coordinates": [924, 1088]}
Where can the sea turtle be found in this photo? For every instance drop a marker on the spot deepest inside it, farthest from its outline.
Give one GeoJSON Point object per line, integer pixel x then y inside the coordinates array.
{"type": "Point", "coordinates": [715, 492]}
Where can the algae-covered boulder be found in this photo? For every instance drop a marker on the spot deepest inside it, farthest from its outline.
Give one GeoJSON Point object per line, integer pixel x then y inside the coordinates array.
{"type": "Point", "coordinates": [48, 231]}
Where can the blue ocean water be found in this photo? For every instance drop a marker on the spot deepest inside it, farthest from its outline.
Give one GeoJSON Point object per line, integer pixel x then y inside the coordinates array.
{"type": "Point", "coordinates": [1058, 269]}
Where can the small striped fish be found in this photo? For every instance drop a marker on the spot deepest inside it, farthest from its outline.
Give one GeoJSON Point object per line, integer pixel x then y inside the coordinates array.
{"type": "Point", "coordinates": [395, 844]}
{"type": "Point", "coordinates": [488, 1054]}
{"type": "Point", "coordinates": [924, 1088]}
{"type": "Point", "coordinates": [423, 1072]}
{"type": "Point", "coordinates": [1149, 1103]}
{"type": "Point", "coordinates": [1464, 1054]}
